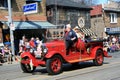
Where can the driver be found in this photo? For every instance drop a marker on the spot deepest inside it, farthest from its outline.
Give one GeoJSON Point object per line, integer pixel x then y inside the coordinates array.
{"type": "Point", "coordinates": [70, 37]}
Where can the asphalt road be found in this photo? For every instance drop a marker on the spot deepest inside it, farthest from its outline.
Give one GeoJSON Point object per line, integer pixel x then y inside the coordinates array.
{"type": "Point", "coordinates": [110, 70]}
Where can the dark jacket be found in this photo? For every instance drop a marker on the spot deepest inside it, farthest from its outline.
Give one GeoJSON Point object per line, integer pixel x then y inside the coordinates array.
{"type": "Point", "coordinates": [69, 35]}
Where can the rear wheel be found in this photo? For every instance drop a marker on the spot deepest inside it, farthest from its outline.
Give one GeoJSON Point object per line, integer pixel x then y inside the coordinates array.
{"type": "Point", "coordinates": [98, 61]}
{"type": "Point", "coordinates": [54, 65]}
{"type": "Point", "coordinates": [27, 68]}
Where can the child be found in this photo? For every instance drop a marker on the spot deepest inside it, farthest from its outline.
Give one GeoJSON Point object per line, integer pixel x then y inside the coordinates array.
{"type": "Point", "coordinates": [39, 50]}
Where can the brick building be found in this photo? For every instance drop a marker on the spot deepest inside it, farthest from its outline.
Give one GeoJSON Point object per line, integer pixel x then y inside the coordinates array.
{"type": "Point", "coordinates": [30, 25]}
{"type": "Point", "coordinates": [67, 12]}
{"type": "Point", "coordinates": [61, 12]}
{"type": "Point", "coordinates": [105, 19]}
{"type": "Point", "coordinates": [36, 22]}
{"type": "Point", "coordinates": [97, 20]}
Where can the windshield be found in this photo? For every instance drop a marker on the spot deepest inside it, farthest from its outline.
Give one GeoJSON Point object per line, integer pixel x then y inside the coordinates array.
{"type": "Point", "coordinates": [55, 33]}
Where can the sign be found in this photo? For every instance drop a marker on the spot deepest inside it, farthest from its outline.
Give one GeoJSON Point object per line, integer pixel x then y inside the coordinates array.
{"type": "Point", "coordinates": [113, 30]}
{"type": "Point", "coordinates": [81, 22]}
{"type": "Point", "coordinates": [30, 8]}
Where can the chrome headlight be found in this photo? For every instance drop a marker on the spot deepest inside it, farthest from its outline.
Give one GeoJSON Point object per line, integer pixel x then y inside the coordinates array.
{"type": "Point", "coordinates": [44, 49]}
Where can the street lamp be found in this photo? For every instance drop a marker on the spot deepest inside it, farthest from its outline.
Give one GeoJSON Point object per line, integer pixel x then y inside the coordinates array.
{"type": "Point", "coordinates": [11, 25]}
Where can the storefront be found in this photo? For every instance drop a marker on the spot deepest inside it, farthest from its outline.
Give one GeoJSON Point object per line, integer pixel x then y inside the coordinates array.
{"type": "Point", "coordinates": [113, 31]}
{"type": "Point", "coordinates": [4, 32]}
{"type": "Point", "coordinates": [28, 29]}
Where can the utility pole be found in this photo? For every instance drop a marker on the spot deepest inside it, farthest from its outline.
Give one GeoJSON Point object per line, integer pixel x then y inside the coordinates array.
{"type": "Point", "coordinates": [10, 26]}
{"type": "Point", "coordinates": [56, 12]}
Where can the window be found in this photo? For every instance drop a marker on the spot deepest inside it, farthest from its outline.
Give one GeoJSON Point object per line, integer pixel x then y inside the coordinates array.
{"type": "Point", "coordinates": [113, 18]}
{"type": "Point", "coordinates": [68, 16]}
{"type": "Point", "coordinates": [3, 4]}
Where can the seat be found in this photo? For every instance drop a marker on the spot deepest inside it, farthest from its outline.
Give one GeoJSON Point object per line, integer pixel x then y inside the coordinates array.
{"type": "Point", "coordinates": [80, 45]}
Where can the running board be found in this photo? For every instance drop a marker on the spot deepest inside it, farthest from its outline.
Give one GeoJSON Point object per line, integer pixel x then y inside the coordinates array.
{"type": "Point", "coordinates": [80, 60]}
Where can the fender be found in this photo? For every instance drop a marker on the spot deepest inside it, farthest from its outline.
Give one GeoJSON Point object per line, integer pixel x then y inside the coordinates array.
{"type": "Point", "coordinates": [28, 54]}
{"type": "Point", "coordinates": [51, 53]}
{"type": "Point", "coordinates": [93, 51]}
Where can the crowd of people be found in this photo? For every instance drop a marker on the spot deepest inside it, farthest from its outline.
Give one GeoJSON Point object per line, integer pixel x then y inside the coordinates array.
{"type": "Point", "coordinates": [34, 43]}
{"type": "Point", "coordinates": [112, 44]}
{"type": "Point", "coordinates": [6, 53]}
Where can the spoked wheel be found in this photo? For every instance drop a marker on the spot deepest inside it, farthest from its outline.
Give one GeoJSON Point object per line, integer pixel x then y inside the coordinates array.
{"type": "Point", "coordinates": [27, 68]}
{"type": "Point", "coordinates": [54, 65]}
{"type": "Point", "coordinates": [98, 61]}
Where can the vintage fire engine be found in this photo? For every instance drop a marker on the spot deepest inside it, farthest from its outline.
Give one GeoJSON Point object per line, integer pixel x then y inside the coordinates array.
{"type": "Point", "coordinates": [53, 55]}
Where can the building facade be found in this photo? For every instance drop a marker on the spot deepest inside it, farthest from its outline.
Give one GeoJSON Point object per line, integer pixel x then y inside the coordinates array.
{"type": "Point", "coordinates": [105, 19]}
{"type": "Point", "coordinates": [21, 21]}
{"type": "Point", "coordinates": [64, 11]}
{"type": "Point", "coordinates": [57, 12]}
{"type": "Point", "coordinates": [29, 25]}
{"type": "Point", "coordinates": [61, 12]}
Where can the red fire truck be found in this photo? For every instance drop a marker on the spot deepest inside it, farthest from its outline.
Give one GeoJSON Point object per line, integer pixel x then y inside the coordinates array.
{"type": "Point", "coordinates": [53, 55]}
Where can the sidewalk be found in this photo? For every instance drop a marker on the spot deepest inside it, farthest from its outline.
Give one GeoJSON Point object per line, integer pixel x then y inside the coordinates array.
{"type": "Point", "coordinates": [13, 62]}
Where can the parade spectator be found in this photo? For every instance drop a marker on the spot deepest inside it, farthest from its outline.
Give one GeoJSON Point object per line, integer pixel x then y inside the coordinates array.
{"type": "Point", "coordinates": [106, 45]}
{"type": "Point", "coordinates": [119, 41]}
{"type": "Point", "coordinates": [32, 43]}
{"type": "Point", "coordinates": [114, 40]}
{"type": "Point", "coordinates": [1, 57]}
{"type": "Point", "coordinates": [8, 54]}
{"type": "Point", "coordinates": [39, 50]}
{"type": "Point", "coordinates": [37, 41]}
{"type": "Point", "coordinates": [22, 44]}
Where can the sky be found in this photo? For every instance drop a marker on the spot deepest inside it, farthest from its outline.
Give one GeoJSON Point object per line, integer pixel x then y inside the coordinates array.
{"type": "Point", "coordinates": [102, 1]}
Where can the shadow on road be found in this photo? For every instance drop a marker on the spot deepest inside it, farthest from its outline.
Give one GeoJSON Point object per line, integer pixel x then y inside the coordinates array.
{"type": "Point", "coordinates": [76, 66]}
{"type": "Point", "coordinates": [67, 67]}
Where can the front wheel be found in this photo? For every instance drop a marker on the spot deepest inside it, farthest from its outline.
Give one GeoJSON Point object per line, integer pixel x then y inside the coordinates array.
{"type": "Point", "coordinates": [98, 61]}
{"type": "Point", "coordinates": [54, 65]}
{"type": "Point", "coordinates": [27, 68]}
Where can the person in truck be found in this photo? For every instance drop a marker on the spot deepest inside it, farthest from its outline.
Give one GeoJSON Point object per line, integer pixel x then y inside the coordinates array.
{"type": "Point", "coordinates": [70, 38]}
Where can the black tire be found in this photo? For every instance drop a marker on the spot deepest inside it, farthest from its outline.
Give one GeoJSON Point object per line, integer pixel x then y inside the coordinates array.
{"type": "Point", "coordinates": [54, 65]}
{"type": "Point", "coordinates": [26, 68]}
{"type": "Point", "coordinates": [98, 61]}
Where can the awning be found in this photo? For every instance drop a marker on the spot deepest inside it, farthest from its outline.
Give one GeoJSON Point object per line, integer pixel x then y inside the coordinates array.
{"type": "Point", "coordinates": [113, 33]}
{"type": "Point", "coordinates": [87, 32]}
{"type": "Point", "coordinates": [32, 25]}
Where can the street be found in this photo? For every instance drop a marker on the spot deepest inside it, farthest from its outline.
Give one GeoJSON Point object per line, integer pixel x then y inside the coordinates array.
{"type": "Point", "coordinates": [110, 70]}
